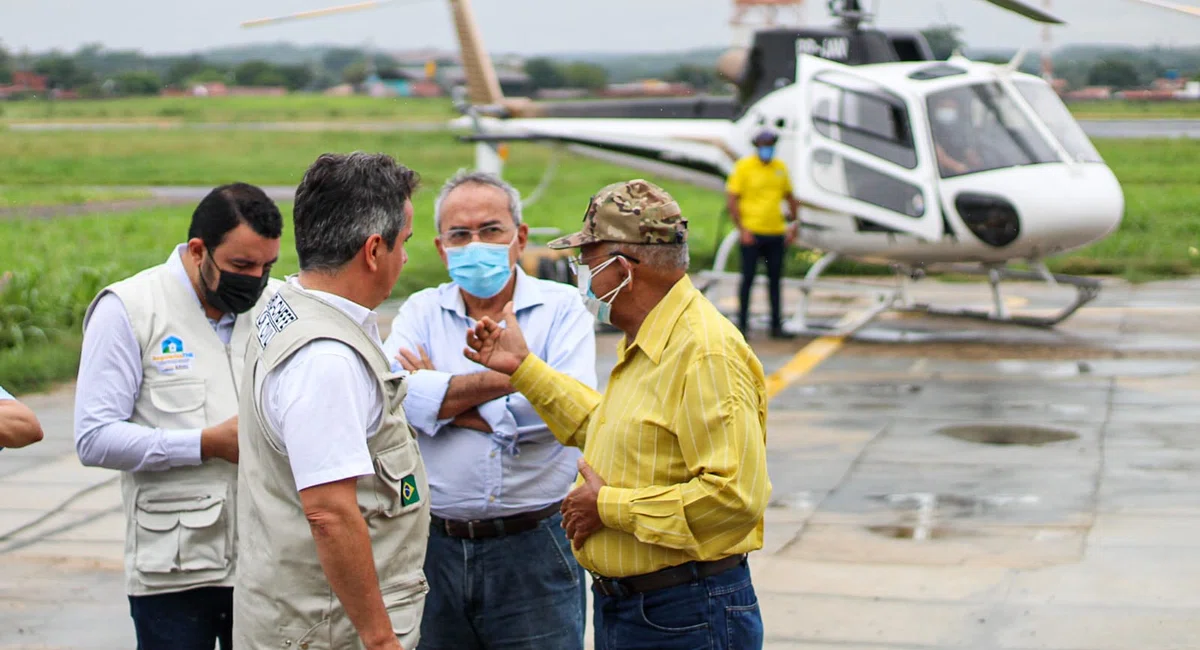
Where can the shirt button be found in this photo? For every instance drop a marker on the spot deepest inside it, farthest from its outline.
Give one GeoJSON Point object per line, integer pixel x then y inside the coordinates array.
{"type": "Point", "coordinates": [492, 455]}
{"type": "Point", "coordinates": [492, 498]}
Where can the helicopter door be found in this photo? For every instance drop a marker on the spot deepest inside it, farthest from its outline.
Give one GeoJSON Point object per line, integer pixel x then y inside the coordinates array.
{"type": "Point", "coordinates": [856, 152]}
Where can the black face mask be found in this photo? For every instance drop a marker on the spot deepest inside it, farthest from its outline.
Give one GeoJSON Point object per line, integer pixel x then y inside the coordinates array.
{"type": "Point", "coordinates": [236, 293]}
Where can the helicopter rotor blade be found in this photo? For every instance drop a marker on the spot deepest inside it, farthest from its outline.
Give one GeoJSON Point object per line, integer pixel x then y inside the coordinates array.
{"type": "Point", "coordinates": [1194, 11]}
{"type": "Point", "coordinates": [358, 6]}
{"type": "Point", "coordinates": [1028, 10]}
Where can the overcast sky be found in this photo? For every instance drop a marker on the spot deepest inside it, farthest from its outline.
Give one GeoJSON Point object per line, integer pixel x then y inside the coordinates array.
{"type": "Point", "coordinates": [539, 26]}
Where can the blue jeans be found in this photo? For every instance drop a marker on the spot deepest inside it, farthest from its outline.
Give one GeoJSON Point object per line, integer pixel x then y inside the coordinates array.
{"type": "Point", "coordinates": [187, 620]}
{"type": "Point", "coordinates": [715, 613]}
{"type": "Point", "coordinates": [514, 592]}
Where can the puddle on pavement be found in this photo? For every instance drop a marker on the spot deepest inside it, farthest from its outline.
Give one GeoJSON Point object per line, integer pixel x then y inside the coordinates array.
{"type": "Point", "coordinates": [792, 501]}
{"type": "Point", "coordinates": [859, 390]}
{"type": "Point", "coordinates": [917, 533]}
{"type": "Point", "coordinates": [1008, 434]}
{"type": "Point", "coordinates": [924, 516]}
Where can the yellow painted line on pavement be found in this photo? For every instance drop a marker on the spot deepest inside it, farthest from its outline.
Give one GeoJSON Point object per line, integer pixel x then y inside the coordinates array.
{"type": "Point", "coordinates": [809, 357]}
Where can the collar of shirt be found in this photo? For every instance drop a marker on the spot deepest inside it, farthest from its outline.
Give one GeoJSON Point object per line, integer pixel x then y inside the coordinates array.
{"type": "Point", "coordinates": [656, 329]}
{"type": "Point", "coordinates": [175, 266]}
{"type": "Point", "coordinates": [525, 295]}
{"type": "Point", "coordinates": [366, 318]}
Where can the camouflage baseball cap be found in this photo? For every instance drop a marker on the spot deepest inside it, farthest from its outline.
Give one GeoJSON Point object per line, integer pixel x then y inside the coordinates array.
{"type": "Point", "coordinates": [631, 212]}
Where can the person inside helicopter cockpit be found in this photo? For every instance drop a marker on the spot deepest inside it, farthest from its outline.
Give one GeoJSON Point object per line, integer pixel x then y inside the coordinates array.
{"type": "Point", "coordinates": [954, 137]}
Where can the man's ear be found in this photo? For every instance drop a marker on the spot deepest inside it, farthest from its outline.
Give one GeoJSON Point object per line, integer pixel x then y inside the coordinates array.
{"type": "Point", "coordinates": [372, 250]}
{"type": "Point", "coordinates": [195, 248]}
{"type": "Point", "coordinates": [440, 249]}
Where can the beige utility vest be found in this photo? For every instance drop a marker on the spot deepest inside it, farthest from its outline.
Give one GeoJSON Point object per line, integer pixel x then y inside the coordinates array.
{"type": "Point", "coordinates": [179, 523]}
{"type": "Point", "coordinates": [282, 597]}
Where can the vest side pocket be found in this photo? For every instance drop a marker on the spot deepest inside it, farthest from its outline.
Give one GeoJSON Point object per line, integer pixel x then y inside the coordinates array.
{"type": "Point", "coordinates": [180, 532]}
{"type": "Point", "coordinates": [405, 604]}
{"type": "Point", "coordinates": [401, 485]}
{"type": "Point", "coordinates": [316, 637]}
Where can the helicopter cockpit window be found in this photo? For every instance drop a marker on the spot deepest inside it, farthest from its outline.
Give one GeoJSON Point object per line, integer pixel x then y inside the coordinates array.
{"type": "Point", "coordinates": [864, 116]}
{"type": "Point", "coordinates": [980, 127]}
{"type": "Point", "coordinates": [1054, 113]}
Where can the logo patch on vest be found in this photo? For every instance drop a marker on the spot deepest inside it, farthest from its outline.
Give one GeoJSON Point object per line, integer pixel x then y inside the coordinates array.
{"type": "Point", "coordinates": [274, 319]}
{"type": "Point", "coordinates": [408, 491]}
{"type": "Point", "coordinates": [173, 357]}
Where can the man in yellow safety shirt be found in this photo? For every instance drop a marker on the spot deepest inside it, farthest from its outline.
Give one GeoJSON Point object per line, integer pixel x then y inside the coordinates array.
{"type": "Point", "coordinates": [756, 190]}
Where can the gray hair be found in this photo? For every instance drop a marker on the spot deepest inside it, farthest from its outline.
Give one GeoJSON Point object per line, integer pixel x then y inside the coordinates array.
{"type": "Point", "coordinates": [667, 257]}
{"type": "Point", "coordinates": [464, 177]}
{"type": "Point", "coordinates": [342, 200]}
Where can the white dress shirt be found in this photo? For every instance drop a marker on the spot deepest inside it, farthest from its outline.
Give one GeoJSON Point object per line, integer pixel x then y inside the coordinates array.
{"type": "Point", "coordinates": [520, 466]}
{"type": "Point", "coordinates": [109, 380]}
{"type": "Point", "coordinates": [325, 403]}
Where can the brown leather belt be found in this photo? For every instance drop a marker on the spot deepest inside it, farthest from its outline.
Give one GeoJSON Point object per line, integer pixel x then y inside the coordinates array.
{"type": "Point", "coordinates": [663, 578]}
{"type": "Point", "coordinates": [485, 528]}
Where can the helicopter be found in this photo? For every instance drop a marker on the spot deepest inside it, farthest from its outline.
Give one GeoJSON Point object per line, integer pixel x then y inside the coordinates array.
{"type": "Point", "coordinates": [880, 177]}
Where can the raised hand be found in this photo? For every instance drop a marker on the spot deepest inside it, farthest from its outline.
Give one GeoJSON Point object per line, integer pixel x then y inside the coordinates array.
{"type": "Point", "coordinates": [411, 362]}
{"type": "Point", "coordinates": [498, 348]}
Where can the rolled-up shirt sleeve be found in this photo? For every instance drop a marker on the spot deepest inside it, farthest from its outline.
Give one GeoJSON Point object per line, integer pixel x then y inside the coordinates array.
{"type": "Point", "coordinates": [426, 388]}
{"type": "Point", "coordinates": [426, 392]}
{"type": "Point", "coordinates": [323, 404]}
{"type": "Point", "coordinates": [107, 387]}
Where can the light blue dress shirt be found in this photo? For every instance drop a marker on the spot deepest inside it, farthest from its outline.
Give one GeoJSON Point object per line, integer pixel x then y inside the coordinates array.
{"type": "Point", "coordinates": [519, 467]}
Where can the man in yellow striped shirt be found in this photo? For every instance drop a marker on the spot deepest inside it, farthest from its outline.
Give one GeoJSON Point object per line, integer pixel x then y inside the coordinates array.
{"type": "Point", "coordinates": [673, 478]}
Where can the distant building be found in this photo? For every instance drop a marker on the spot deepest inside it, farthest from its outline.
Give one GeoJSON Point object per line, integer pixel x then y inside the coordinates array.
{"type": "Point", "coordinates": [1144, 95]}
{"type": "Point", "coordinates": [1090, 93]}
{"type": "Point", "coordinates": [562, 93]}
{"type": "Point", "coordinates": [513, 83]}
{"type": "Point", "coordinates": [258, 91]}
{"type": "Point", "coordinates": [340, 90]}
{"type": "Point", "coordinates": [649, 88]}
{"type": "Point", "coordinates": [23, 83]}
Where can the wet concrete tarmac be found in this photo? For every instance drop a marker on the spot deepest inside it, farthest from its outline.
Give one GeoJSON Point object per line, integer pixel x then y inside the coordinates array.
{"type": "Point", "coordinates": [1018, 489]}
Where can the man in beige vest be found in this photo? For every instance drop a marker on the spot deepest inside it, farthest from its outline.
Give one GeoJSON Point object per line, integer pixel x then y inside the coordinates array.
{"type": "Point", "coordinates": [333, 508]}
{"type": "Point", "coordinates": [156, 398]}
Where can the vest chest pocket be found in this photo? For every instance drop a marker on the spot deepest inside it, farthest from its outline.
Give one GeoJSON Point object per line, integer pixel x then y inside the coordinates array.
{"type": "Point", "coordinates": [180, 402]}
{"type": "Point", "coordinates": [401, 485]}
{"type": "Point", "coordinates": [178, 533]}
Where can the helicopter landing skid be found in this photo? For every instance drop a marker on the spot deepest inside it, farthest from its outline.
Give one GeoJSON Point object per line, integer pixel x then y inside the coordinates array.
{"type": "Point", "coordinates": [897, 299]}
{"type": "Point", "coordinates": [1086, 290]}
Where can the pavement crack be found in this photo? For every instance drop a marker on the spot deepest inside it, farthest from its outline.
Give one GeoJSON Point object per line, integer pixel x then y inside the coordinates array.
{"type": "Point", "coordinates": [49, 514]}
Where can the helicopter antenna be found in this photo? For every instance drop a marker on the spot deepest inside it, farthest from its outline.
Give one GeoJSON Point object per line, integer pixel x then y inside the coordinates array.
{"type": "Point", "coordinates": [1015, 63]}
{"type": "Point", "coordinates": [851, 13]}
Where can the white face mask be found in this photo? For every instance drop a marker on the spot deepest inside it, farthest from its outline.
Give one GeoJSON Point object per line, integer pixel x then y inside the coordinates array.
{"type": "Point", "coordinates": [946, 115]}
{"type": "Point", "coordinates": [601, 308]}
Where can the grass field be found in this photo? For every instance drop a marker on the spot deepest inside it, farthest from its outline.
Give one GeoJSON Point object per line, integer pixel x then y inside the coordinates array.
{"type": "Point", "coordinates": [60, 263]}
{"type": "Point", "coordinates": [318, 108]}
{"type": "Point", "coordinates": [290, 108]}
{"type": "Point", "coordinates": [1122, 110]}
{"type": "Point", "coordinates": [37, 196]}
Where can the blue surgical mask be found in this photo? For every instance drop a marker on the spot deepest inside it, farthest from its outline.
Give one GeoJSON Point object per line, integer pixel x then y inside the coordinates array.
{"type": "Point", "coordinates": [601, 308]}
{"type": "Point", "coordinates": [767, 152]}
{"type": "Point", "coordinates": [479, 268]}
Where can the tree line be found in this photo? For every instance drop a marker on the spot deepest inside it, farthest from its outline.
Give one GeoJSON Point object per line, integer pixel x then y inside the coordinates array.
{"type": "Point", "coordinates": [1119, 67]}
{"type": "Point", "coordinates": [92, 70]}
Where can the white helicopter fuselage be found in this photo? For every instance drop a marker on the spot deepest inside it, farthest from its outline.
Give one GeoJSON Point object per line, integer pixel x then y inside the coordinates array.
{"type": "Point", "coordinates": [1012, 176]}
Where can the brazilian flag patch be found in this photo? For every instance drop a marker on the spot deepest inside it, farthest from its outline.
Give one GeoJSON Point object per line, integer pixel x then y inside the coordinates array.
{"type": "Point", "coordinates": [408, 491]}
